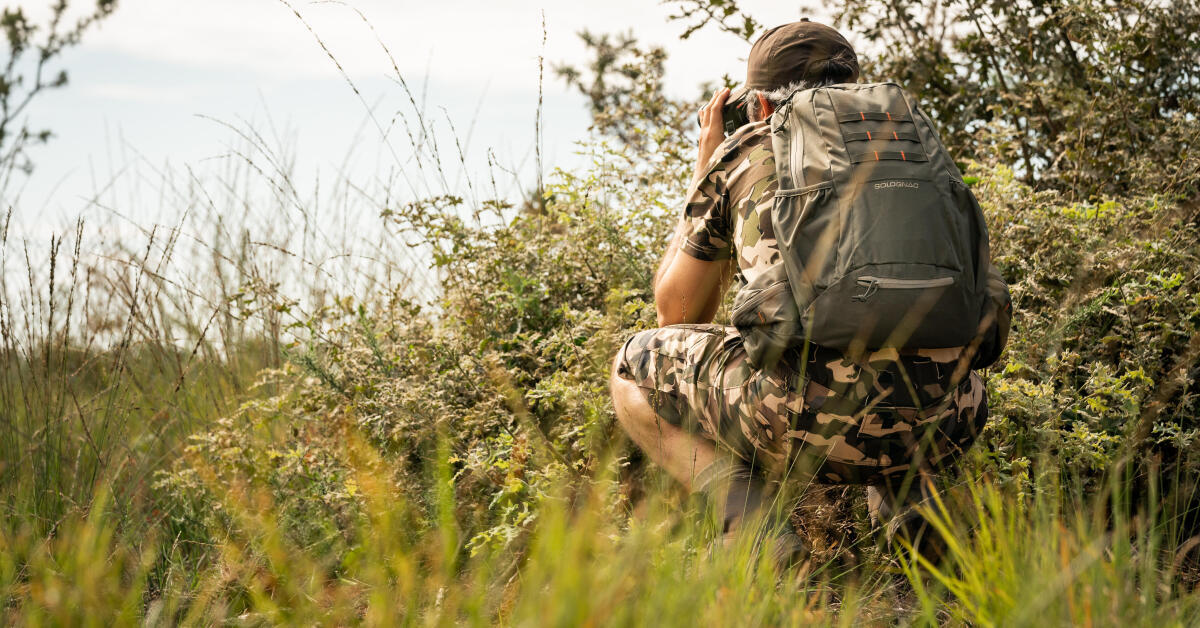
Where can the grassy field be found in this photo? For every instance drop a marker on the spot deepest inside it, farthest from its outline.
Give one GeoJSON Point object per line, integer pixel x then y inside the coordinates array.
{"type": "Point", "coordinates": [216, 451]}
{"type": "Point", "coordinates": [243, 416]}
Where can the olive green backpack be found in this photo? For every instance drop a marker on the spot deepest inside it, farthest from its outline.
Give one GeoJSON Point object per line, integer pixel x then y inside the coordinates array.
{"type": "Point", "coordinates": [882, 243]}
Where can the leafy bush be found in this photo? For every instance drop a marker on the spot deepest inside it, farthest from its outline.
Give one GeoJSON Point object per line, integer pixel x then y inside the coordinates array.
{"type": "Point", "coordinates": [1103, 359]}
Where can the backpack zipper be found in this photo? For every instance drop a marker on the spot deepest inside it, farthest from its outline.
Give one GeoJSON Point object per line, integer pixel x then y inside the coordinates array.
{"type": "Point", "coordinates": [759, 298]}
{"type": "Point", "coordinates": [873, 284]}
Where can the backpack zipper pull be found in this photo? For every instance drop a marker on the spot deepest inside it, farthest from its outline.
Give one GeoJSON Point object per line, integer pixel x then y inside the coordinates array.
{"type": "Point", "coordinates": [871, 284]}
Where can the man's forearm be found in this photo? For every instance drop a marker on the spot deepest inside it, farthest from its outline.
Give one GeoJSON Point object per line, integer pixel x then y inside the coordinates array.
{"type": "Point", "coordinates": [668, 256]}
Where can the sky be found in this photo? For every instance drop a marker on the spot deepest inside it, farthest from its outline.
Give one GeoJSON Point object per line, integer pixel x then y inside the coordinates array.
{"type": "Point", "coordinates": [161, 82]}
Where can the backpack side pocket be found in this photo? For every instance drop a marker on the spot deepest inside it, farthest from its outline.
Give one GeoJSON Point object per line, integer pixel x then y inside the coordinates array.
{"type": "Point", "coordinates": [765, 315]}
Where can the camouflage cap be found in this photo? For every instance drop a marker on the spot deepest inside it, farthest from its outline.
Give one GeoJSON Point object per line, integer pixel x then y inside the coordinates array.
{"type": "Point", "coordinates": [798, 51]}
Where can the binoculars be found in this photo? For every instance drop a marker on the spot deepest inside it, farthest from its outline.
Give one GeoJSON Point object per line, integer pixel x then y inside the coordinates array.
{"type": "Point", "coordinates": [735, 112]}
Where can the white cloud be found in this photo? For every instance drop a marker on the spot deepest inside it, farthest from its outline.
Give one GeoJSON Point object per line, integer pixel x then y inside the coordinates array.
{"type": "Point", "coordinates": [457, 40]}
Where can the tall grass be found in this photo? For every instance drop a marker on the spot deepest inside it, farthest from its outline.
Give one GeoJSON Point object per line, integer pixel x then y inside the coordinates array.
{"type": "Point", "coordinates": [252, 414]}
{"type": "Point", "coordinates": [1013, 561]}
{"type": "Point", "coordinates": [104, 372]}
{"type": "Point", "coordinates": [93, 409]}
{"type": "Point", "coordinates": [1029, 561]}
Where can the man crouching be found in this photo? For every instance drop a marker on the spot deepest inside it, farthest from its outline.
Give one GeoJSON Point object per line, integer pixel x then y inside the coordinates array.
{"type": "Point", "coordinates": [687, 395]}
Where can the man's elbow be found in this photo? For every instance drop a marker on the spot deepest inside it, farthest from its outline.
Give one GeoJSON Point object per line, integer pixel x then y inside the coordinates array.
{"type": "Point", "coordinates": [676, 311]}
{"type": "Point", "coordinates": [664, 307]}
{"type": "Point", "coordinates": [687, 292]}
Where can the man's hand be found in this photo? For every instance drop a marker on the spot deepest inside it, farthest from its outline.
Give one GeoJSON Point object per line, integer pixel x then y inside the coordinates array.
{"type": "Point", "coordinates": [712, 129]}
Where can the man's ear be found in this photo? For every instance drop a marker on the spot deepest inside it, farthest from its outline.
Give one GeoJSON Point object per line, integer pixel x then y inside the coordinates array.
{"type": "Point", "coordinates": [765, 106]}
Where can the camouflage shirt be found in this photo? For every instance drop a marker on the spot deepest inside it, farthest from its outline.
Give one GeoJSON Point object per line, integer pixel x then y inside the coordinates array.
{"type": "Point", "coordinates": [729, 209]}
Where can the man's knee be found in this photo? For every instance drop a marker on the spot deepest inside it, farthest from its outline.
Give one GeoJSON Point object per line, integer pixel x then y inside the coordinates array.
{"type": "Point", "coordinates": [629, 400]}
{"type": "Point", "coordinates": [618, 366]}
{"type": "Point", "coordinates": [622, 367]}
{"type": "Point", "coordinates": [619, 377]}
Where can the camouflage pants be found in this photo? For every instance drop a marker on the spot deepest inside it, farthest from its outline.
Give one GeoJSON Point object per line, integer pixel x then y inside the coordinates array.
{"type": "Point", "coordinates": [820, 416]}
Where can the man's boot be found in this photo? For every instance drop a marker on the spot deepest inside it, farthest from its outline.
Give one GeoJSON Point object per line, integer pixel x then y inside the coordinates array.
{"type": "Point", "coordinates": [895, 508]}
{"type": "Point", "coordinates": [741, 497]}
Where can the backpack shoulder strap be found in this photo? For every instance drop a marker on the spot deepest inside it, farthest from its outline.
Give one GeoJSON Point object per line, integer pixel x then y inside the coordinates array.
{"type": "Point", "coordinates": [798, 140]}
